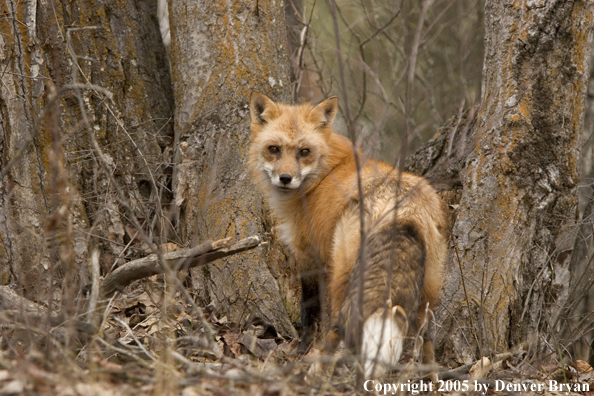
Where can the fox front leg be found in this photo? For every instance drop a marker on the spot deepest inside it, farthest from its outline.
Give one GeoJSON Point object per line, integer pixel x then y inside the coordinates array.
{"type": "Point", "coordinates": [310, 312]}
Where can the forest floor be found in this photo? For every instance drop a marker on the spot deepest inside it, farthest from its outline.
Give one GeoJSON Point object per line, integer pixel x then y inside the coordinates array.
{"type": "Point", "coordinates": [152, 345]}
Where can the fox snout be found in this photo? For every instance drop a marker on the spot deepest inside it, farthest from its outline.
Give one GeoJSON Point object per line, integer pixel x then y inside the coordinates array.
{"type": "Point", "coordinates": [284, 169]}
{"type": "Point", "coordinates": [285, 178]}
{"type": "Point", "coordinates": [285, 181]}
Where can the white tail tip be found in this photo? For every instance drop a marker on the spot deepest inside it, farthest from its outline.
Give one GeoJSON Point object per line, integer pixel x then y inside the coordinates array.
{"type": "Point", "coordinates": [382, 351]}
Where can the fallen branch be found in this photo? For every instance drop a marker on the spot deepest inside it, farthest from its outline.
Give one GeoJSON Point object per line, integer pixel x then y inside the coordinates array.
{"type": "Point", "coordinates": [178, 260]}
{"type": "Point", "coordinates": [17, 309]}
{"type": "Point", "coordinates": [11, 300]}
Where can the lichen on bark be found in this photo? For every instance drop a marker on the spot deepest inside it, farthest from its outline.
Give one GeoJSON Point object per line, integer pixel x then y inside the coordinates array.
{"type": "Point", "coordinates": [517, 185]}
{"type": "Point", "coordinates": [220, 52]}
{"type": "Point", "coordinates": [112, 45]}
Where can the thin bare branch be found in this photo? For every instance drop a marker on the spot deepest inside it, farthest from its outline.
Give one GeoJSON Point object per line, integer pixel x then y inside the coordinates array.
{"type": "Point", "coordinates": [178, 260]}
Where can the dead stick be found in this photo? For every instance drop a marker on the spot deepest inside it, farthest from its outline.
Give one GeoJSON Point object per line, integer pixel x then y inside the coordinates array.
{"type": "Point", "coordinates": [11, 300]}
{"type": "Point", "coordinates": [178, 260]}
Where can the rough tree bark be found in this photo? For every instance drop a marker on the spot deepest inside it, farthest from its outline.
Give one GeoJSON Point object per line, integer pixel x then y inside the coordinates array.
{"type": "Point", "coordinates": [56, 203]}
{"type": "Point", "coordinates": [220, 52]}
{"type": "Point", "coordinates": [511, 175]}
{"type": "Point", "coordinates": [582, 261]}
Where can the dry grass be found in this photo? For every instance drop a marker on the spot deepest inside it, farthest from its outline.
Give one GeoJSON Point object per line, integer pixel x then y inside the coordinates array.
{"type": "Point", "coordinates": [150, 344]}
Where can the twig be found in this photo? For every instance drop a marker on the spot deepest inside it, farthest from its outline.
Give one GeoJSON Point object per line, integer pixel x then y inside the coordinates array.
{"type": "Point", "coordinates": [95, 275]}
{"type": "Point", "coordinates": [180, 259]}
{"type": "Point", "coordinates": [358, 166]}
{"type": "Point", "coordinates": [136, 340]}
{"type": "Point", "coordinates": [465, 292]}
{"type": "Point", "coordinates": [124, 352]}
{"type": "Point", "coordinates": [123, 200]}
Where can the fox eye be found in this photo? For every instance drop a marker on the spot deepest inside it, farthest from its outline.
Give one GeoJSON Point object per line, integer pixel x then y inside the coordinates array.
{"type": "Point", "coordinates": [273, 149]}
{"type": "Point", "coordinates": [303, 152]}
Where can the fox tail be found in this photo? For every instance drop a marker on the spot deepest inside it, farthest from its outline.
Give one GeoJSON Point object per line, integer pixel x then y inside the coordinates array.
{"type": "Point", "coordinates": [383, 339]}
{"type": "Point", "coordinates": [395, 259]}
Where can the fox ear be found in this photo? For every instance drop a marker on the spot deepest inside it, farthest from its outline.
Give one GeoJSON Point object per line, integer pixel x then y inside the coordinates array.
{"type": "Point", "coordinates": [262, 109]}
{"type": "Point", "coordinates": [324, 113]}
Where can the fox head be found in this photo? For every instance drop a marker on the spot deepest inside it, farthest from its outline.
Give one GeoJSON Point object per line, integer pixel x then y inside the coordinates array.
{"type": "Point", "coordinates": [289, 143]}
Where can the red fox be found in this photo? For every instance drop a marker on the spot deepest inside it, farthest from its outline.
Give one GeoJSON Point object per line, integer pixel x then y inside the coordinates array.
{"type": "Point", "coordinates": [308, 176]}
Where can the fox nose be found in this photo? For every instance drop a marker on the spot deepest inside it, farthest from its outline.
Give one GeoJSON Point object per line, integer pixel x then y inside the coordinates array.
{"type": "Point", "coordinates": [285, 178]}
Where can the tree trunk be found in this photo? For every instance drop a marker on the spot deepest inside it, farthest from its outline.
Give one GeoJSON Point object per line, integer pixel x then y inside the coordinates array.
{"type": "Point", "coordinates": [582, 261]}
{"type": "Point", "coordinates": [57, 203]}
{"type": "Point", "coordinates": [220, 52]}
{"type": "Point", "coordinates": [514, 170]}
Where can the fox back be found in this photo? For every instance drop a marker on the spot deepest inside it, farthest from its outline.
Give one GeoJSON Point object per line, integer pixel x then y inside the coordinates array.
{"type": "Point", "coordinates": [309, 177]}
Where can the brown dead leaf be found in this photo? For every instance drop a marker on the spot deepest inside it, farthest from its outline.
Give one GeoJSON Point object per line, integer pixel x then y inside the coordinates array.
{"type": "Point", "coordinates": [287, 349]}
{"type": "Point", "coordinates": [227, 349]}
{"type": "Point", "coordinates": [585, 373]}
{"type": "Point", "coordinates": [565, 373]}
{"type": "Point", "coordinates": [259, 347]}
{"type": "Point", "coordinates": [227, 328]}
{"type": "Point", "coordinates": [234, 346]}
{"type": "Point", "coordinates": [582, 367]}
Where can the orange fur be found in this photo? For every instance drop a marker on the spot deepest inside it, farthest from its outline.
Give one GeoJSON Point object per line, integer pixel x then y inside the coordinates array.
{"type": "Point", "coordinates": [317, 212]}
